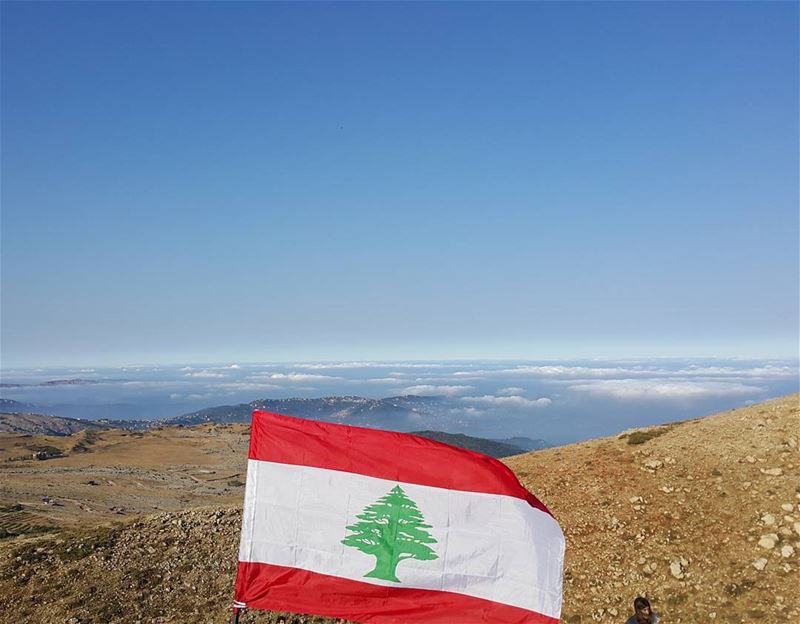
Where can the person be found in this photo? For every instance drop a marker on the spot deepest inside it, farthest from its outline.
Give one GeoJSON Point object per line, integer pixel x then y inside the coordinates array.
{"type": "Point", "coordinates": [281, 619]}
{"type": "Point", "coordinates": [643, 613]}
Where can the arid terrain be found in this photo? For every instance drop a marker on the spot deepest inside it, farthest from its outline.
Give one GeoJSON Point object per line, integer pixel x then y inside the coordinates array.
{"type": "Point", "coordinates": [115, 474]}
{"type": "Point", "coordinates": [702, 516]}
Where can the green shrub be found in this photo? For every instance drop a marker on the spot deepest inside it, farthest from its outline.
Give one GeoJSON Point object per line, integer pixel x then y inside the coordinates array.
{"type": "Point", "coordinates": [643, 435]}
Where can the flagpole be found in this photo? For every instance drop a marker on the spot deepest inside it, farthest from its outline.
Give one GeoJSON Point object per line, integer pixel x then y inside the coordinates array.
{"type": "Point", "coordinates": [235, 619]}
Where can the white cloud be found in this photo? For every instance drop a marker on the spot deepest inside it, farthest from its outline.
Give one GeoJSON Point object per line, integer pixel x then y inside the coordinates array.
{"type": "Point", "coordinates": [576, 371]}
{"type": "Point", "coordinates": [205, 374]}
{"type": "Point", "coordinates": [333, 365]}
{"type": "Point", "coordinates": [247, 386]}
{"type": "Point", "coordinates": [759, 372]}
{"type": "Point", "coordinates": [768, 371]}
{"type": "Point", "coordinates": [508, 401]}
{"type": "Point", "coordinates": [428, 390]}
{"type": "Point", "coordinates": [511, 391]}
{"type": "Point", "coordinates": [302, 377]}
{"type": "Point", "coordinates": [175, 396]}
{"type": "Point", "coordinates": [656, 389]}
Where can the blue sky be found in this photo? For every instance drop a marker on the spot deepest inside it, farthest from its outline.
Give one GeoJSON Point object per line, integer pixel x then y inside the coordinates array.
{"type": "Point", "coordinates": [281, 182]}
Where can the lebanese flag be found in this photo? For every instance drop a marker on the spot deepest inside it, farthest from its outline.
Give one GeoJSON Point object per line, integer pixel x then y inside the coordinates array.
{"type": "Point", "coordinates": [391, 528]}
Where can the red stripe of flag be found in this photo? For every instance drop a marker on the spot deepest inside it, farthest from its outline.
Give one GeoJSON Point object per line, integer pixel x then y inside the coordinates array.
{"type": "Point", "coordinates": [266, 586]}
{"type": "Point", "coordinates": [382, 454]}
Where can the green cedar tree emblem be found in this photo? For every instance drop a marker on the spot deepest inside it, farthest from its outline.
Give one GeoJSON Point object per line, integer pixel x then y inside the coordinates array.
{"type": "Point", "coordinates": [392, 530]}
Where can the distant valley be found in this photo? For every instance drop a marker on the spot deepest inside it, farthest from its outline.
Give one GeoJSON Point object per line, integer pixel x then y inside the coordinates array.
{"type": "Point", "coordinates": [427, 416]}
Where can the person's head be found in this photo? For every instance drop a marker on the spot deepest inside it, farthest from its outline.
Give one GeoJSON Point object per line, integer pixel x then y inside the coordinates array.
{"type": "Point", "coordinates": [281, 619]}
{"type": "Point", "coordinates": [641, 607]}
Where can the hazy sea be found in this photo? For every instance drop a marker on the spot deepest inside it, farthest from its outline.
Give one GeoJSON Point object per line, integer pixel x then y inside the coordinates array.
{"type": "Point", "coordinates": [559, 401]}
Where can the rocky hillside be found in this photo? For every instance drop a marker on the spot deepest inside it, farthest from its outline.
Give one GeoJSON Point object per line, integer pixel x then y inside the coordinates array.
{"type": "Point", "coordinates": [702, 516]}
{"type": "Point", "coordinates": [397, 413]}
{"type": "Point", "coordinates": [41, 424]}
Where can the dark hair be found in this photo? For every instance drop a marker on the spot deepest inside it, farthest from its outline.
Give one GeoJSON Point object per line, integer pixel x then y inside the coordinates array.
{"type": "Point", "coordinates": [641, 602]}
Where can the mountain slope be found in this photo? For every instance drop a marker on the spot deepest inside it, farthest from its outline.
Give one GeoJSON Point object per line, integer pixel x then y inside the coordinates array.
{"type": "Point", "coordinates": [701, 515]}
{"type": "Point", "coordinates": [493, 448]}
{"type": "Point", "coordinates": [401, 413]}
{"type": "Point", "coordinates": [680, 512]}
{"type": "Point", "coordinates": [40, 424]}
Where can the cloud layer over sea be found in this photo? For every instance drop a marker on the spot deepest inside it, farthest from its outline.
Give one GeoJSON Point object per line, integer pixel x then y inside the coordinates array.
{"type": "Point", "coordinates": [559, 401]}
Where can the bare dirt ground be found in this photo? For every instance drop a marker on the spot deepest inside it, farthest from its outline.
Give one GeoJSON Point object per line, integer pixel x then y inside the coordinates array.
{"type": "Point", "coordinates": [701, 516]}
{"type": "Point", "coordinates": [107, 475]}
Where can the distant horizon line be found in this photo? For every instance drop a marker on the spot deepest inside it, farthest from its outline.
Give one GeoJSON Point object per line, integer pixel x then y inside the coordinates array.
{"type": "Point", "coordinates": [87, 367]}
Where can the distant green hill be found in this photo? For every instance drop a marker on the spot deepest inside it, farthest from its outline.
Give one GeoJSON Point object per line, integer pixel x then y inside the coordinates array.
{"type": "Point", "coordinates": [479, 445]}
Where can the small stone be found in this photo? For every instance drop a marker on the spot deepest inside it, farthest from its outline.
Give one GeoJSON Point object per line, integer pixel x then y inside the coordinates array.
{"type": "Point", "coordinates": [787, 507]}
{"type": "Point", "coordinates": [787, 551]}
{"type": "Point", "coordinates": [768, 541]}
{"type": "Point", "coordinates": [653, 464]}
{"type": "Point", "coordinates": [635, 499]}
{"type": "Point", "coordinates": [678, 567]}
{"type": "Point", "coordinates": [772, 472]}
{"type": "Point", "coordinates": [746, 485]}
{"type": "Point", "coordinates": [796, 527]}
{"type": "Point", "coordinates": [767, 519]}
{"type": "Point", "coordinates": [760, 564]}
{"type": "Point", "coordinates": [750, 459]}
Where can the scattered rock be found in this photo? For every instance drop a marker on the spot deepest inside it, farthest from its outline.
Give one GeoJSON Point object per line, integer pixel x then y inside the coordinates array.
{"type": "Point", "coordinates": [677, 567]}
{"type": "Point", "coordinates": [787, 551]}
{"type": "Point", "coordinates": [760, 564]}
{"type": "Point", "coordinates": [768, 541]}
{"type": "Point", "coordinates": [772, 472]}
